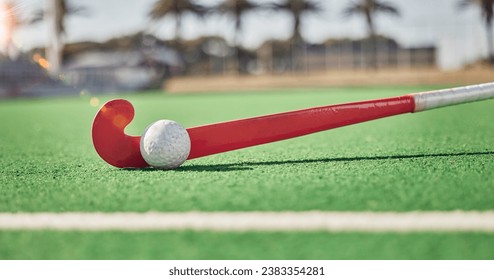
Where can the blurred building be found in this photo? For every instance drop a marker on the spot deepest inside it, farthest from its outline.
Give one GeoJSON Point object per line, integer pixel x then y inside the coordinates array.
{"type": "Point", "coordinates": [343, 54]}
{"type": "Point", "coordinates": [114, 71]}
{"type": "Point", "coordinates": [136, 62]}
{"type": "Point", "coordinates": [25, 78]}
{"type": "Point", "coordinates": [140, 62]}
{"type": "Point", "coordinates": [214, 56]}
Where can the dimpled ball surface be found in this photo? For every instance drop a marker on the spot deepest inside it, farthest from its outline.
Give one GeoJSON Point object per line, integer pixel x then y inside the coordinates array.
{"type": "Point", "coordinates": [165, 144]}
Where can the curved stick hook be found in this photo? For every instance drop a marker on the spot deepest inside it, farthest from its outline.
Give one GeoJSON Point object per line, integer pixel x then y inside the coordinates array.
{"type": "Point", "coordinates": [109, 138]}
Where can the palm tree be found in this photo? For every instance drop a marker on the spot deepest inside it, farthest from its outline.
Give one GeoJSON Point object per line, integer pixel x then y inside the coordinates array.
{"type": "Point", "coordinates": [55, 12]}
{"type": "Point", "coordinates": [176, 9]}
{"type": "Point", "coordinates": [237, 9]}
{"type": "Point", "coordinates": [487, 10]}
{"type": "Point", "coordinates": [369, 9]}
{"type": "Point", "coordinates": [297, 9]}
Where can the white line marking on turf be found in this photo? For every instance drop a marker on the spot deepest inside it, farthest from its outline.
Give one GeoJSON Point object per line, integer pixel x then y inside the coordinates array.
{"type": "Point", "coordinates": [456, 221]}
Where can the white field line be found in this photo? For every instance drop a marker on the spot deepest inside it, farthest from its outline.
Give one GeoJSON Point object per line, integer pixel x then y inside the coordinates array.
{"type": "Point", "coordinates": [457, 221]}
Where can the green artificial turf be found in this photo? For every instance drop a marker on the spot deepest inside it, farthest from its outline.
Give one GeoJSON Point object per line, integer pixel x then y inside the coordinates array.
{"type": "Point", "coordinates": [437, 160]}
{"type": "Point", "coordinates": [254, 245]}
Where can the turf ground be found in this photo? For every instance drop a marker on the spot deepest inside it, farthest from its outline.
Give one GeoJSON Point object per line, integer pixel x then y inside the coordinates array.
{"type": "Point", "coordinates": [440, 160]}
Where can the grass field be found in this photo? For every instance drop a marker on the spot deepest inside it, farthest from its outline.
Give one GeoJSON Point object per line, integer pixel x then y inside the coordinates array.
{"type": "Point", "coordinates": [441, 160]}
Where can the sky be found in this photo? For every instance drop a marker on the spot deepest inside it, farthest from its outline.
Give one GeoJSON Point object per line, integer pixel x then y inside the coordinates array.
{"type": "Point", "coordinates": [440, 23]}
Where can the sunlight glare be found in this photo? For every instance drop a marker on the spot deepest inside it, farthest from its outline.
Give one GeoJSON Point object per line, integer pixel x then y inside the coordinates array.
{"type": "Point", "coordinates": [3, 23]}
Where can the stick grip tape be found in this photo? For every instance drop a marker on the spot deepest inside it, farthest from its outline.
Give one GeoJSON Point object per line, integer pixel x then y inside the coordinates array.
{"type": "Point", "coordinates": [447, 97]}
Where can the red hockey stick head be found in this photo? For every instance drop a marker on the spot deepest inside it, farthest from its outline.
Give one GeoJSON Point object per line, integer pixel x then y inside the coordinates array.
{"type": "Point", "coordinates": [109, 138]}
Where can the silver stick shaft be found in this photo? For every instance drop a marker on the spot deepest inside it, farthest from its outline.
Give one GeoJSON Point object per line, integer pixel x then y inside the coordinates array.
{"type": "Point", "coordinates": [447, 97]}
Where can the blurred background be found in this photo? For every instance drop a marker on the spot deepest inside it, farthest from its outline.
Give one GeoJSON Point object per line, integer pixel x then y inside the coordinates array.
{"type": "Point", "coordinates": [69, 47]}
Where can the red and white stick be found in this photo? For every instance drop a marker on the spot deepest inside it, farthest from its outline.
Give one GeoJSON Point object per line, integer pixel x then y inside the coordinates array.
{"type": "Point", "coordinates": [121, 150]}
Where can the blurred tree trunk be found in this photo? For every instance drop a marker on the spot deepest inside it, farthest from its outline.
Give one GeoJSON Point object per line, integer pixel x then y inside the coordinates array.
{"type": "Point", "coordinates": [54, 12]}
{"type": "Point", "coordinates": [490, 41]}
{"type": "Point", "coordinates": [236, 43]}
{"type": "Point", "coordinates": [487, 13]}
{"type": "Point", "coordinates": [369, 8]}
{"type": "Point", "coordinates": [372, 46]}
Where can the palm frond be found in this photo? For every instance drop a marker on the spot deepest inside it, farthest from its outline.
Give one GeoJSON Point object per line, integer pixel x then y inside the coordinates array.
{"type": "Point", "coordinates": [237, 7]}
{"type": "Point", "coordinates": [65, 10]}
{"type": "Point", "coordinates": [385, 8]}
{"type": "Point", "coordinates": [36, 17]}
{"type": "Point", "coordinates": [370, 7]}
{"type": "Point", "coordinates": [162, 8]}
{"type": "Point", "coordinates": [352, 10]}
{"type": "Point", "coordinates": [486, 6]}
{"type": "Point", "coordinates": [298, 7]}
{"type": "Point", "coordinates": [465, 4]}
{"type": "Point", "coordinates": [78, 10]}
